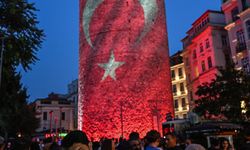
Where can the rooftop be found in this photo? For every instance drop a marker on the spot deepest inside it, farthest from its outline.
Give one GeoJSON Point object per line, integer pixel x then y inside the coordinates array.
{"type": "Point", "coordinates": [176, 59]}
{"type": "Point", "coordinates": [209, 18]}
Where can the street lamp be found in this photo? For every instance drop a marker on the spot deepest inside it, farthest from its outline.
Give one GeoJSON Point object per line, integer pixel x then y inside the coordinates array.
{"type": "Point", "coordinates": [50, 114]}
{"type": "Point", "coordinates": [121, 117]}
{"type": "Point", "coordinates": [1, 59]}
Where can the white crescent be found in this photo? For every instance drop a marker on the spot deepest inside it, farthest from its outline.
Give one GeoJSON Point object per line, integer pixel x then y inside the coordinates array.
{"type": "Point", "coordinates": [150, 9]}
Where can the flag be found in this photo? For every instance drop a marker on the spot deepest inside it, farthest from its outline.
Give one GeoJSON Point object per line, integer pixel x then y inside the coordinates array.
{"type": "Point", "coordinates": [124, 73]}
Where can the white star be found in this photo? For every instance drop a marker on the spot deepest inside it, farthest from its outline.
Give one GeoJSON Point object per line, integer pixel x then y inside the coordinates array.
{"type": "Point", "coordinates": [110, 67]}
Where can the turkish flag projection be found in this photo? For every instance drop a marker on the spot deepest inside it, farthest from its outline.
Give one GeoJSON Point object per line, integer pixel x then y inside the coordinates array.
{"type": "Point", "coordinates": [124, 74]}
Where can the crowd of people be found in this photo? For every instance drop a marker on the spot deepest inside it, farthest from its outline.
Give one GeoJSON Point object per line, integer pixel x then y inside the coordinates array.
{"type": "Point", "coordinates": [78, 140]}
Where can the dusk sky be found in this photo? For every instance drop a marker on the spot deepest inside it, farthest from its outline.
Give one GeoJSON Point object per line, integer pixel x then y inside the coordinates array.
{"type": "Point", "coordinates": [58, 64]}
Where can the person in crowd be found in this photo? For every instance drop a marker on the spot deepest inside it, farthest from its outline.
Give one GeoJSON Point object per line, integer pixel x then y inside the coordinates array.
{"type": "Point", "coordinates": [95, 145]}
{"type": "Point", "coordinates": [188, 141]}
{"type": "Point", "coordinates": [195, 147]}
{"type": "Point", "coordinates": [108, 144]}
{"type": "Point", "coordinates": [184, 142]}
{"type": "Point", "coordinates": [124, 145]}
{"type": "Point", "coordinates": [171, 142]}
{"type": "Point", "coordinates": [2, 143]}
{"type": "Point", "coordinates": [153, 140]}
{"type": "Point", "coordinates": [225, 144]}
{"type": "Point", "coordinates": [246, 145]}
{"type": "Point", "coordinates": [75, 140]}
{"type": "Point", "coordinates": [34, 146]}
{"type": "Point", "coordinates": [215, 144]}
{"type": "Point", "coordinates": [134, 141]}
{"type": "Point", "coordinates": [54, 146]}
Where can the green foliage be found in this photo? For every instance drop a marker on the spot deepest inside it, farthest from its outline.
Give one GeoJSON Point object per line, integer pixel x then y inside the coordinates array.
{"type": "Point", "coordinates": [22, 39]}
{"type": "Point", "coordinates": [223, 96]}
{"type": "Point", "coordinates": [18, 24]}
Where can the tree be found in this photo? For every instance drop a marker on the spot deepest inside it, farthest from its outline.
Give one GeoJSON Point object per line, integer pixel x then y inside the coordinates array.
{"type": "Point", "coordinates": [22, 39]}
{"type": "Point", "coordinates": [224, 95]}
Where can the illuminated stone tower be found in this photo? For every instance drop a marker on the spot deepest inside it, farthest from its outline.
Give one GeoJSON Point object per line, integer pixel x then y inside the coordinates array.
{"type": "Point", "coordinates": [124, 74]}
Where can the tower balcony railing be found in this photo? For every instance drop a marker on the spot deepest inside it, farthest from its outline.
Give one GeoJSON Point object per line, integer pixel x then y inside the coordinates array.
{"type": "Point", "coordinates": [240, 47]}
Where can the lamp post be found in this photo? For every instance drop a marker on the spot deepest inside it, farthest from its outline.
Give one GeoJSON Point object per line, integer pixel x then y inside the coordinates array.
{"type": "Point", "coordinates": [121, 117]}
{"type": "Point", "coordinates": [1, 59]}
{"type": "Point", "coordinates": [156, 112]}
{"type": "Point", "coordinates": [50, 114]}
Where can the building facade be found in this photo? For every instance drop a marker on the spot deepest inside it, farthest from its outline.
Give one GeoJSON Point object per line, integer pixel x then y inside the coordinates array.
{"type": "Point", "coordinates": [73, 97]}
{"type": "Point", "coordinates": [55, 112]}
{"type": "Point", "coordinates": [179, 85]}
{"type": "Point", "coordinates": [205, 49]}
{"type": "Point", "coordinates": [237, 15]}
{"type": "Point", "coordinates": [73, 91]}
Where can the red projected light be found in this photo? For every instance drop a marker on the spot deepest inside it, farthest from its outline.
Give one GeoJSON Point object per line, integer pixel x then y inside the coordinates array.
{"type": "Point", "coordinates": [124, 75]}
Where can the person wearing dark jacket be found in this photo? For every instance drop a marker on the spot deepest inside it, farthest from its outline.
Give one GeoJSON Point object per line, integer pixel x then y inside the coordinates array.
{"type": "Point", "coordinates": [171, 142]}
{"type": "Point", "coordinates": [246, 145]}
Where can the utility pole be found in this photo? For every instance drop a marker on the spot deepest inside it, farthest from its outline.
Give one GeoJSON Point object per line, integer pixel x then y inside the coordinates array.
{"type": "Point", "coordinates": [1, 60]}
{"type": "Point", "coordinates": [155, 111]}
{"type": "Point", "coordinates": [121, 116]}
{"type": "Point", "coordinates": [50, 114]}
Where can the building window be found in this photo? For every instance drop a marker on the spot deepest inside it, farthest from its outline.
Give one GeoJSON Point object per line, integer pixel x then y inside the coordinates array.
{"type": "Point", "coordinates": [176, 106]}
{"type": "Point", "coordinates": [240, 36]}
{"type": "Point", "coordinates": [173, 74]}
{"type": "Point", "coordinates": [248, 28]}
{"type": "Point", "coordinates": [224, 40]}
{"type": "Point", "coordinates": [203, 66]}
{"type": "Point", "coordinates": [201, 47]}
{"type": "Point", "coordinates": [182, 88]}
{"type": "Point", "coordinates": [244, 4]}
{"type": "Point", "coordinates": [245, 64]}
{"type": "Point", "coordinates": [63, 116]}
{"type": "Point", "coordinates": [194, 54]}
{"type": "Point", "coordinates": [209, 62]}
{"type": "Point", "coordinates": [183, 102]}
{"type": "Point", "coordinates": [241, 44]}
{"type": "Point", "coordinates": [180, 72]}
{"type": "Point", "coordinates": [235, 13]}
{"type": "Point", "coordinates": [174, 89]}
{"type": "Point", "coordinates": [207, 43]}
{"type": "Point", "coordinates": [45, 116]}
{"type": "Point", "coordinates": [185, 116]}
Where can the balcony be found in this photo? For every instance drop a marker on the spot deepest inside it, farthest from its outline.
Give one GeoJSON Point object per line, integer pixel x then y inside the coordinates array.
{"type": "Point", "coordinates": [183, 92]}
{"type": "Point", "coordinates": [240, 47]}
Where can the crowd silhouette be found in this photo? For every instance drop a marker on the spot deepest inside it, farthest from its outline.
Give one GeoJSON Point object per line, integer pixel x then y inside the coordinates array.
{"type": "Point", "coordinates": [78, 140]}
